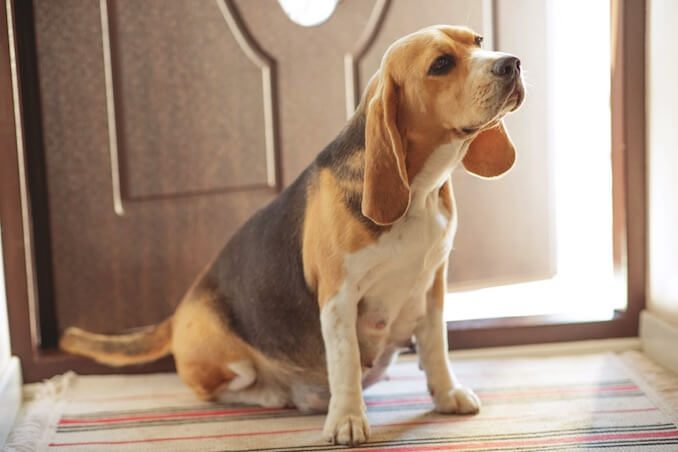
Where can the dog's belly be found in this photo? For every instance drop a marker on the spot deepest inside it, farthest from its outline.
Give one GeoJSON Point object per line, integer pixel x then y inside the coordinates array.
{"type": "Point", "coordinates": [386, 324]}
{"type": "Point", "coordinates": [397, 272]}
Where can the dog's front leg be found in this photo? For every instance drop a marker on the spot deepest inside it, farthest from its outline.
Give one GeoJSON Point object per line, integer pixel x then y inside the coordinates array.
{"type": "Point", "coordinates": [346, 422]}
{"type": "Point", "coordinates": [448, 395]}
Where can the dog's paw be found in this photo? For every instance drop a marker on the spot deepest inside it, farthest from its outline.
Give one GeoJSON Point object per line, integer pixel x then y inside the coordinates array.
{"type": "Point", "coordinates": [347, 428]}
{"type": "Point", "coordinates": [460, 400]}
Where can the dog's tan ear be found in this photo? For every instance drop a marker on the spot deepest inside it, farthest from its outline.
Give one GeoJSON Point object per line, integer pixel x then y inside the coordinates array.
{"type": "Point", "coordinates": [491, 153]}
{"type": "Point", "coordinates": [386, 190]}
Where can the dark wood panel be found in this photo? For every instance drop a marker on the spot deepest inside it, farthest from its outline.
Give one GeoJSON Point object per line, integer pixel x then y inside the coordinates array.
{"type": "Point", "coordinates": [190, 104]}
{"type": "Point", "coordinates": [114, 272]}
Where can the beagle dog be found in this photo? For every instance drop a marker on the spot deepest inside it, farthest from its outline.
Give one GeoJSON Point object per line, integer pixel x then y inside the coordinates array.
{"type": "Point", "coordinates": [315, 295]}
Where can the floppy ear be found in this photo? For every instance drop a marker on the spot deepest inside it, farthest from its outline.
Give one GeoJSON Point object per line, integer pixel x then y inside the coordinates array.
{"type": "Point", "coordinates": [386, 190]}
{"type": "Point", "coordinates": [491, 153]}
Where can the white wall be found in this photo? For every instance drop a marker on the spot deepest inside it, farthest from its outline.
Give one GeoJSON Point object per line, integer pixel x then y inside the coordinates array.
{"type": "Point", "coordinates": [662, 91]}
{"type": "Point", "coordinates": [10, 374]}
{"type": "Point", "coordinates": [4, 327]}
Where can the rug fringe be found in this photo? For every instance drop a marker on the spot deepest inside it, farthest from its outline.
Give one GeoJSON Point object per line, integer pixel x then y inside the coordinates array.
{"type": "Point", "coordinates": [658, 383]}
{"type": "Point", "coordinates": [40, 412]}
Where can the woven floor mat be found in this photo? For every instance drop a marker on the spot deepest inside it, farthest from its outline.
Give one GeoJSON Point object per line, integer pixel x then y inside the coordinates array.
{"type": "Point", "coordinates": [561, 403]}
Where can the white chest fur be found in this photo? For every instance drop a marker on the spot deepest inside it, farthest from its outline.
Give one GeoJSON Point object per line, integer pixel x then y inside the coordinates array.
{"type": "Point", "coordinates": [393, 275]}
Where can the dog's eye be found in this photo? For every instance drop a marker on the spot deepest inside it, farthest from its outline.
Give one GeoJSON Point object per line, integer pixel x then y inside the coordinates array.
{"type": "Point", "coordinates": [479, 40]}
{"type": "Point", "coordinates": [442, 65]}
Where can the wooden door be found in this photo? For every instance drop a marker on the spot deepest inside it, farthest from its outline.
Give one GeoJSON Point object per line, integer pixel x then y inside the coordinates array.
{"type": "Point", "coordinates": [149, 131]}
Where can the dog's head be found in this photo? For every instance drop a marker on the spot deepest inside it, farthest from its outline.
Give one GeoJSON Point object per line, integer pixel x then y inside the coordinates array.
{"type": "Point", "coordinates": [433, 87]}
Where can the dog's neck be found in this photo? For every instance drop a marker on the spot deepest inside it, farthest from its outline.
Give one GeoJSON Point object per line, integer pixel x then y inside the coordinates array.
{"type": "Point", "coordinates": [435, 170]}
{"type": "Point", "coordinates": [426, 174]}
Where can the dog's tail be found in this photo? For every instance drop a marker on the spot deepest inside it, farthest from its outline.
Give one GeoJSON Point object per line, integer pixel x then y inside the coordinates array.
{"type": "Point", "coordinates": [140, 346]}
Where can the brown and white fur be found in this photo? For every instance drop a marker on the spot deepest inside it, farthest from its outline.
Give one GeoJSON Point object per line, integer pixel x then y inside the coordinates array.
{"type": "Point", "coordinates": [313, 297]}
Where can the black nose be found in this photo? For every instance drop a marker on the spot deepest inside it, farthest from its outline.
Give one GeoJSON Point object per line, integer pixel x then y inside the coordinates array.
{"type": "Point", "coordinates": [507, 66]}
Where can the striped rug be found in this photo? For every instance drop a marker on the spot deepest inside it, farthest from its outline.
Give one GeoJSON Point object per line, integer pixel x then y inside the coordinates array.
{"type": "Point", "coordinates": [563, 403]}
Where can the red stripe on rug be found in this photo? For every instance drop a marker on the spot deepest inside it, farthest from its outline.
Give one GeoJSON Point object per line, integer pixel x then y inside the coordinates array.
{"type": "Point", "coordinates": [189, 414]}
{"type": "Point", "coordinates": [184, 438]}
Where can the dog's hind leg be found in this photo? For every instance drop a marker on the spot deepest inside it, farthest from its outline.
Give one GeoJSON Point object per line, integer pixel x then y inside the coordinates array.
{"type": "Point", "coordinates": [208, 380]}
{"type": "Point", "coordinates": [209, 358]}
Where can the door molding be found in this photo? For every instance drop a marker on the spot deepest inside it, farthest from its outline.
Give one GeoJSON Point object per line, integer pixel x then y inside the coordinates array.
{"type": "Point", "coordinates": [254, 54]}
